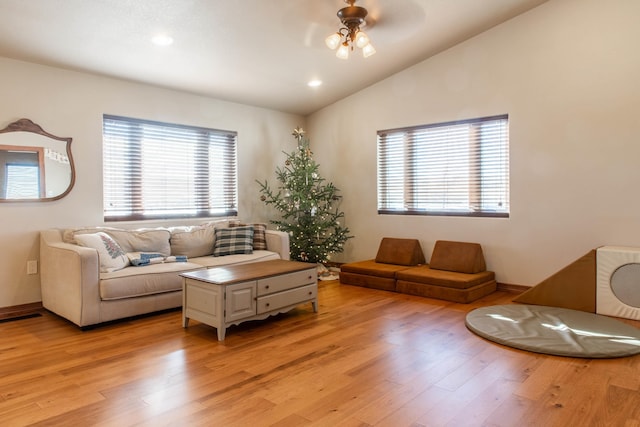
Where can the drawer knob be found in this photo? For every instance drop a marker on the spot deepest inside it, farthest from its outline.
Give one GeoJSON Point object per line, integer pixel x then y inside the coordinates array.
{"type": "Point", "coordinates": [266, 287]}
{"type": "Point", "coordinates": [310, 293]}
{"type": "Point", "coordinates": [266, 305]}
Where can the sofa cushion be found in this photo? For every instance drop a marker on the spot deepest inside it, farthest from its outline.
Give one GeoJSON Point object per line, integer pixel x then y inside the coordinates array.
{"type": "Point", "coordinates": [69, 234]}
{"type": "Point", "coordinates": [233, 240]}
{"type": "Point", "coordinates": [192, 241]}
{"type": "Point", "coordinates": [110, 254]}
{"type": "Point", "coordinates": [142, 259]}
{"type": "Point", "coordinates": [259, 233]}
{"type": "Point", "coordinates": [218, 223]}
{"type": "Point", "coordinates": [148, 280]}
{"type": "Point", "coordinates": [400, 251]}
{"type": "Point", "coordinates": [143, 240]}
{"type": "Point", "coordinates": [218, 261]}
{"type": "Point", "coordinates": [461, 257]}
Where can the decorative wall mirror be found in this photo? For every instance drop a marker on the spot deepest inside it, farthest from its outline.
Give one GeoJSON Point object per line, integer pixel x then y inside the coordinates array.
{"type": "Point", "coordinates": [34, 165]}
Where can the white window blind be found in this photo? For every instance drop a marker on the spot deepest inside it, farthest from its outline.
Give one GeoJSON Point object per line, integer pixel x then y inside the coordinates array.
{"type": "Point", "coordinates": [159, 170]}
{"type": "Point", "coordinates": [456, 168]}
{"type": "Point", "coordinates": [22, 181]}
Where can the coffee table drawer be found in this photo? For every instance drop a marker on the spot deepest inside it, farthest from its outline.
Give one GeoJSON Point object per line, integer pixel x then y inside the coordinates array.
{"type": "Point", "coordinates": [283, 299]}
{"type": "Point", "coordinates": [283, 282]}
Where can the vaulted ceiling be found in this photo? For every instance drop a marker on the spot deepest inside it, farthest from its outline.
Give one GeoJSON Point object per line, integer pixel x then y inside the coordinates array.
{"type": "Point", "coordinates": [257, 52]}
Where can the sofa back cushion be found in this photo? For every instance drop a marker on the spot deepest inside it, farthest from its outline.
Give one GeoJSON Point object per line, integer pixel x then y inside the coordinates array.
{"type": "Point", "coordinates": [69, 234]}
{"type": "Point", "coordinates": [400, 251]}
{"type": "Point", "coordinates": [461, 257]}
{"type": "Point", "coordinates": [143, 240]}
{"type": "Point", "coordinates": [192, 241]}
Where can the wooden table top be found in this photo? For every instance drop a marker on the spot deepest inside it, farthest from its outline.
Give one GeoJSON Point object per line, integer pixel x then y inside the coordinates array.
{"type": "Point", "coordinates": [244, 272]}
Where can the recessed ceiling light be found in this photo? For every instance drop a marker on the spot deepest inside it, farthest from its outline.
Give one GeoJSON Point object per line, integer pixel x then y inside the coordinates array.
{"type": "Point", "coordinates": [162, 40]}
{"type": "Point", "coordinates": [314, 83]}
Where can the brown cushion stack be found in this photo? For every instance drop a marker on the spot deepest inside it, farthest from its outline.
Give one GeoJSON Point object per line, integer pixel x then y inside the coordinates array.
{"type": "Point", "coordinates": [380, 273]}
{"type": "Point", "coordinates": [457, 272]}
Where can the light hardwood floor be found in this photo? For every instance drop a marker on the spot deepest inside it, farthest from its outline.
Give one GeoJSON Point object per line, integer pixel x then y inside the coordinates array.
{"type": "Point", "coordinates": [367, 358]}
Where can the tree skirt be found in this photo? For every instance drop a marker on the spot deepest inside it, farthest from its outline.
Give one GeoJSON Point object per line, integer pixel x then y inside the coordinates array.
{"type": "Point", "coordinates": [554, 330]}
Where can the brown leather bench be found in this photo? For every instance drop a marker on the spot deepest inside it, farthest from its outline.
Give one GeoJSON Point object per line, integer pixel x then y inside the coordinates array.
{"type": "Point", "coordinates": [393, 255]}
{"type": "Point", "coordinates": [456, 272]}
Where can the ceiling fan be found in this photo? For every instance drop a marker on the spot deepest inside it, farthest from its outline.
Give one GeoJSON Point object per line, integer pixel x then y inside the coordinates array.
{"type": "Point", "coordinates": [351, 35]}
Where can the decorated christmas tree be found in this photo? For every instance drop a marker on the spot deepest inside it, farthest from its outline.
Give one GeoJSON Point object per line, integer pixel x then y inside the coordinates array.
{"type": "Point", "coordinates": [308, 206]}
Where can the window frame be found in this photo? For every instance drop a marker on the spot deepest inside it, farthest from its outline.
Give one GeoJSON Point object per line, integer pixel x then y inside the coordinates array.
{"type": "Point", "coordinates": [128, 143]}
{"type": "Point", "coordinates": [399, 170]}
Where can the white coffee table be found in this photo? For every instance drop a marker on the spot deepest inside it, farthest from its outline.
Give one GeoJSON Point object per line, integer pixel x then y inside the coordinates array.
{"type": "Point", "coordinates": [225, 296]}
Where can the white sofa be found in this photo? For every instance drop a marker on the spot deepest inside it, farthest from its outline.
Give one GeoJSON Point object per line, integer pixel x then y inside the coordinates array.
{"type": "Point", "coordinates": [76, 286]}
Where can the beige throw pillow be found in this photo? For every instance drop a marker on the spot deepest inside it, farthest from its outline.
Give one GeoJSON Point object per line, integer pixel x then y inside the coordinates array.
{"type": "Point", "coordinates": [110, 254]}
{"type": "Point", "coordinates": [194, 241]}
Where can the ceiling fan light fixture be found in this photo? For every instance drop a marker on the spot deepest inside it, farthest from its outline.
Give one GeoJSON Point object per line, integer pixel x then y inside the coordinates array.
{"type": "Point", "coordinates": [333, 41]}
{"type": "Point", "coordinates": [343, 51]}
{"type": "Point", "coordinates": [362, 39]}
{"type": "Point", "coordinates": [349, 36]}
{"type": "Point", "coordinates": [368, 50]}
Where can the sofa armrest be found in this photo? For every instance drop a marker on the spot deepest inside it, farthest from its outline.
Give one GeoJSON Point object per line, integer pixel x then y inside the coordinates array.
{"type": "Point", "coordinates": [69, 279]}
{"type": "Point", "coordinates": [278, 241]}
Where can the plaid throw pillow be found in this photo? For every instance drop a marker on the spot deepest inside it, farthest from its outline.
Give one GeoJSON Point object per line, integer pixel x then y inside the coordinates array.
{"type": "Point", "coordinates": [259, 234]}
{"type": "Point", "coordinates": [233, 240]}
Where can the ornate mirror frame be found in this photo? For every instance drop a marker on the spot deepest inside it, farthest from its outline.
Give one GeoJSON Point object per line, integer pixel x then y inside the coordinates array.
{"type": "Point", "coordinates": [41, 150]}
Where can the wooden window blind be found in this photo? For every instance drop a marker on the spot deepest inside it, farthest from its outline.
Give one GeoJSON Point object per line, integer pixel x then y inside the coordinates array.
{"type": "Point", "coordinates": [456, 168]}
{"type": "Point", "coordinates": [154, 170]}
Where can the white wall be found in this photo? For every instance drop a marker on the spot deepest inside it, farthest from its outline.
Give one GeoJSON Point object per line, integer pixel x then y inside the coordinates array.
{"type": "Point", "coordinates": [71, 104]}
{"type": "Point", "coordinates": [568, 75]}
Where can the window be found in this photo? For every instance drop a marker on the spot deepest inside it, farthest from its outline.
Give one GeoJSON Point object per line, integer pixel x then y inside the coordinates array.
{"type": "Point", "coordinates": [159, 170]}
{"type": "Point", "coordinates": [23, 182]}
{"type": "Point", "coordinates": [456, 168]}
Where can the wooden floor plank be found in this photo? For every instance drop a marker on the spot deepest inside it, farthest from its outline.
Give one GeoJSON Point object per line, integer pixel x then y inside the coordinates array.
{"type": "Point", "coordinates": [367, 358]}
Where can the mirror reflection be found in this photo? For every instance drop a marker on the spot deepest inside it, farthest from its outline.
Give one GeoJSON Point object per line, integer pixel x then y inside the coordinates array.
{"type": "Point", "coordinates": [34, 164]}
